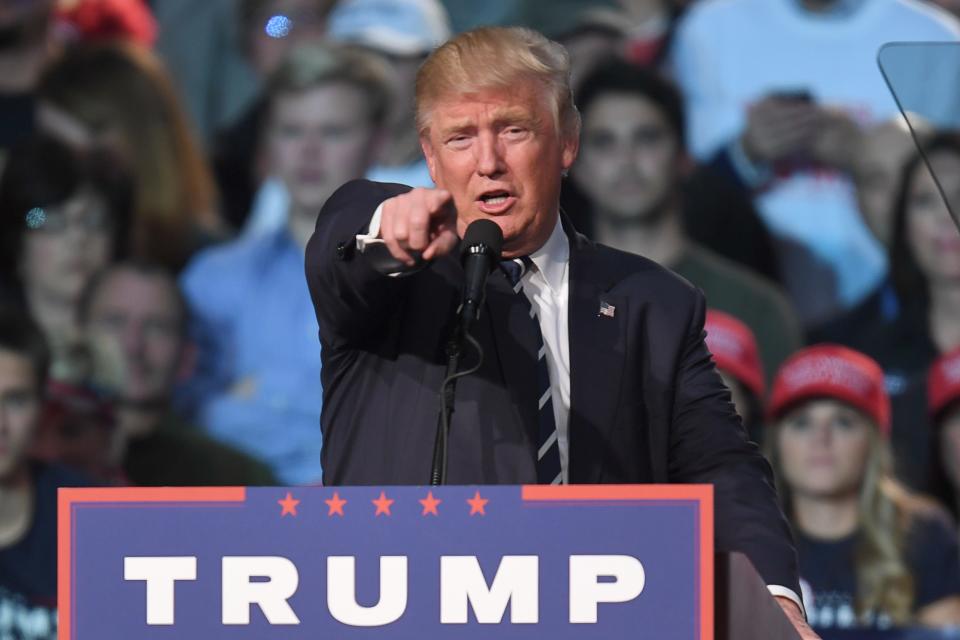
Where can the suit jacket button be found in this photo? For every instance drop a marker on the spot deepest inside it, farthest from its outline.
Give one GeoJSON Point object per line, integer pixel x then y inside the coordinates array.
{"type": "Point", "coordinates": [343, 252]}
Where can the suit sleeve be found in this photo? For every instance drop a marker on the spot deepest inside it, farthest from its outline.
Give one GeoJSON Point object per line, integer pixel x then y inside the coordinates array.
{"type": "Point", "coordinates": [351, 298]}
{"type": "Point", "coordinates": [708, 445]}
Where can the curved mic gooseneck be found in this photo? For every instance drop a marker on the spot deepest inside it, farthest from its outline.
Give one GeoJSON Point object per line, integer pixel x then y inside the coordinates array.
{"type": "Point", "coordinates": [480, 254]}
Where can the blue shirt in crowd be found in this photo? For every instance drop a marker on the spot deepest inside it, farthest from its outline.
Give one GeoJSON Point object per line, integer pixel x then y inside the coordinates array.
{"type": "Point", "coordinates": [257, 382]}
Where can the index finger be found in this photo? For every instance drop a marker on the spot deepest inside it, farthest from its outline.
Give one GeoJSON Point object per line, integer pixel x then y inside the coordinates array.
{"type": "Point", "coordinates": [438, 201]}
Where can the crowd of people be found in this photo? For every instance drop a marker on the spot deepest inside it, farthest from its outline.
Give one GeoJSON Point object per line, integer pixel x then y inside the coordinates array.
{"type": "Point", "coordinates": [162, 164]}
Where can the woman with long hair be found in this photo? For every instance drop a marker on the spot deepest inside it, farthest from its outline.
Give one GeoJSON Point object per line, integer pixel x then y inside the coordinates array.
{"type": "Point", "coordinates": [118, 96]}
{"type": "Point", "coordinates": [924, 259]}
{"type": "Point", "coordinates": [872, 553]}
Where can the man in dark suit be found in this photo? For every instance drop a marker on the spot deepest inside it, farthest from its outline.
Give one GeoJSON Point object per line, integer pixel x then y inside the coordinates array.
{"type": "Point", "coordinates": [631, 393]}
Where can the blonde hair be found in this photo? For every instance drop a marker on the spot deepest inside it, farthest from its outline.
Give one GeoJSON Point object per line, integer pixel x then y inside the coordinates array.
{"type": "Point", "coordinates": [497, 57]}
{"type": "Point", "coordinates": [126, 85]}
{"type": "Point", "coordinates": [310, 66]}
{"type": "Point", "coordinates": [884, 580]}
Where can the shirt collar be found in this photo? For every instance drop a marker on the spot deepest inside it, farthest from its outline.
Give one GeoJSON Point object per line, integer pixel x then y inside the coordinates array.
{"type": "Point", "coordinates": [553, 257]}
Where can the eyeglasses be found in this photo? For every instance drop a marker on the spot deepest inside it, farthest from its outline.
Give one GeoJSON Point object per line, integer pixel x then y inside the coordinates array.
{"type": "Point", "coordinates": [52, 220]}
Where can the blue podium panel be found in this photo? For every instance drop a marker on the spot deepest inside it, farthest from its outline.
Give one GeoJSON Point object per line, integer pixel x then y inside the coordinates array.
{"type": "Point", "coordinates": [394, 562]}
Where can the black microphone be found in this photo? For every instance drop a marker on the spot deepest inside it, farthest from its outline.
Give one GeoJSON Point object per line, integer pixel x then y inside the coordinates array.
{"type": "Point", "coordinates": [480, 253]}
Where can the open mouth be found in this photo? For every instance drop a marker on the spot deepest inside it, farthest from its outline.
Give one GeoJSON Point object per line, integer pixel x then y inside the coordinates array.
{"type": "Point", "coordinates": [495, 197]}
{"type": "Point", "coordinates": [495, 201]}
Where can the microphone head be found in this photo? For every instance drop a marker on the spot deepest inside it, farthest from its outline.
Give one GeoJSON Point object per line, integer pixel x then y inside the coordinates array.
{"type": "Point", "coordinates": [483, 236]}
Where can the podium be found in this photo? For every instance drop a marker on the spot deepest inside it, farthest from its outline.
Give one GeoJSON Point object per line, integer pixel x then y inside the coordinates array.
{"type": "Point", "coordinates": [745, 609]}
{"type": "Point", "coordinates": [604, 561]}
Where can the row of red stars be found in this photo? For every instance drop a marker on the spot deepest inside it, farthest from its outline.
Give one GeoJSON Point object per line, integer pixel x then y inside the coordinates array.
{"type": "Point", "coordinates": [383, 505]}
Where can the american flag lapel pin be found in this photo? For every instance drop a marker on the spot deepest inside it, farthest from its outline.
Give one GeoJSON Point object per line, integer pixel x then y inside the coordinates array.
{"type": "Point", "coordinates": [607, 309]}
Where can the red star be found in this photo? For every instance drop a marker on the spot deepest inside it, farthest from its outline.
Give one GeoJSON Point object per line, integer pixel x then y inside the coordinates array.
{"type": "Point", "coordinates": [336, 505]}
{"type": "Point", "coordinates": [477, 504]}
{"type": "Point", "coordinates": [383, 504]}
{"type": "Point", "coordinates": [430, 504]}
{"type": "Point", "coordinates": [289, 505]}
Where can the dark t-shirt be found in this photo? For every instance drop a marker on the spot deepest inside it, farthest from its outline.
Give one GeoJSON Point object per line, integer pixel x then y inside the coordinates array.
{"type": "Point", "coordinates": [757, 303]}
{"type": "Point", "coordinates": [827, 567]}
{"type": "Point", "coordinates": [16, 118]}
{"type": "Point", "coordinates": [177, 455]}
{"type": "Point", "coordinates": [28, 568]}
{"type": "Point", "coordinates": [905, 350]}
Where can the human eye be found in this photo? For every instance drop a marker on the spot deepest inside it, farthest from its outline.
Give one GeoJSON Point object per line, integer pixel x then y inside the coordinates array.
{"type": "Point", "coordinates": [515, 132]}
{"type": "Point", "coordinates": [332, 133]}
{"type": "Point", "coordinates": [600, 141]}
{"type": "Point", "coordinates": [846, 421]}
{"type": "Point", "coordinates": [798, 423]}
{"type": "Point", "coordinates": [162, 328]}
{"type": "Point", "coordinates": [649, 136]}
{"type": "Point", "coordinates": [18, 400]}
{"type": "Point", "coordinates": [290, 131]}
{"type": "Point", "coordinates": [458, 141]}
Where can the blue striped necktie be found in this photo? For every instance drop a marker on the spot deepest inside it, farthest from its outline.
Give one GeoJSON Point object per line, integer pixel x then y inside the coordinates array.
{"type": "Point", "coordinates": [548, 446]}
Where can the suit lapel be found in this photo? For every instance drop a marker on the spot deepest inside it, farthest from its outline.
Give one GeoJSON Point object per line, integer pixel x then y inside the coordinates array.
{"type": "Point", "coordinates": [597, 328]}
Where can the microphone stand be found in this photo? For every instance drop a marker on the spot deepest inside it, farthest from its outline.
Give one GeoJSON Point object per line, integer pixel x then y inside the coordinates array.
{"type": "Point", "coordinates": [448, 390]}
{"type": "Point", "coordinates": [483, 240]}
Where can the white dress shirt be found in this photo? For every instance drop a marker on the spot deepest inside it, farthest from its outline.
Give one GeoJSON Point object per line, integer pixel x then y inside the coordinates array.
{"type": "Point", "coordinates": [547, 288]}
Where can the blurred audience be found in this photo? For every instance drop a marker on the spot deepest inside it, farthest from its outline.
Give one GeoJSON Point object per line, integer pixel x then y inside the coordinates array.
{"type": "Point", "coordinates": [62, 218]}
{"type": "Point", "coordinates": [28, 489]}
{"type": "Point", "coordinates": [737, 357]}
{"type": "Point", "coordinates": [629, 174]}
{"type": "Point", "coordinates": [776, 92]}
{"type": "Point", "coordinates": [202, 45]}
{"type": "Point", "coordinates": [78, 429]}
{"type": "Point", "coordinates": [118, 98]}
{"type": "Point", "coordinates": [883, 150]}
{"type": "Point", "coordinates": [879, 158]}
{"type": "Point", "coordinates": [26, 44]}
{"type": "Point", "coordinates": [944, 410]}
{"type": "Point", "coordinates": [873, 554]}
{"type": "Point", "coordinates": [268, 30]}
{"type": "Point", "coordinates": [590, 34]}
{"type": "Point", "coordinates": [402, 33]}
{"type": "Point", "coordinates": [134, 320]}
{"type": "Point", "coordinates": [257, 383]}
{"type": "Point", "coordinates": [925, 270]}
{"type": "Point", "coordinates": [106, 20]}
{"type": "Point", "coordinates": [651, 27]}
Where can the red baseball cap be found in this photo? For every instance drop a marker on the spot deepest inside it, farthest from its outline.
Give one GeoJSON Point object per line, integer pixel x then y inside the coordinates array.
{"type": "Point", "coordinates": [943, 382]}
{"type": "Point", "coordinates": [735, 350]}
{"type": "Point", "coordinates": [832, 371]}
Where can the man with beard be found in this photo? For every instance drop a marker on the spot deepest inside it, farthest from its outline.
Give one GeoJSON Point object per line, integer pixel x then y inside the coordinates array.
{"type": "Point", "coordinates": [134, 319]}
{"type": "Point", "coordinates": [630, 171]}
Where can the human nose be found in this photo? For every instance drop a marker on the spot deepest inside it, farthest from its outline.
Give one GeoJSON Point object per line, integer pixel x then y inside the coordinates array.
{"type": "Point", "coordinates": [133, 341]}
{"type": "Point", "coordinates": [822, 432]}
{"type": "Point", "coordinates": [489, 156]}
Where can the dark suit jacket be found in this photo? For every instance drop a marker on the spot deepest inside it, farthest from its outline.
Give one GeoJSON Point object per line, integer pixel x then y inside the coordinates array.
{"type": "Point", "coordinates": [647, 405]}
